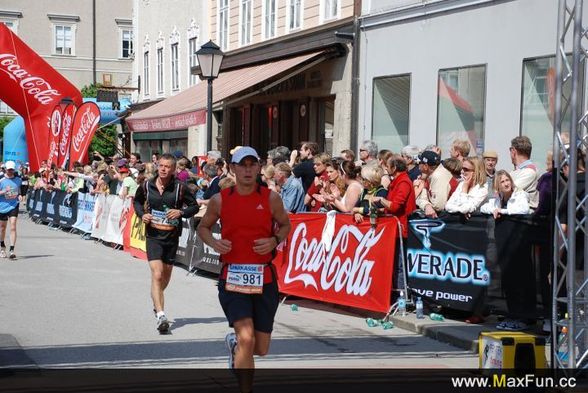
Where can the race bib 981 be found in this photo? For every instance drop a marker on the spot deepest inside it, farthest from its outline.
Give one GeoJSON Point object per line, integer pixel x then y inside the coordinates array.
{"type": "Point", "coordinates": [246, 279]}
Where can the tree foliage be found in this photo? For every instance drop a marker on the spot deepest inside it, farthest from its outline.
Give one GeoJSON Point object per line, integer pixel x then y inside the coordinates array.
{"type": "Point", "coordinates": [90, 91]}
{"type": "Point", "coordinates": [104, 140]}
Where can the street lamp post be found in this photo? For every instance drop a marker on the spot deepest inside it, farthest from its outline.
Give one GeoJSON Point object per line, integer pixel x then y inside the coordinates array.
{"type": "Point", "coordinates": [210, 58]}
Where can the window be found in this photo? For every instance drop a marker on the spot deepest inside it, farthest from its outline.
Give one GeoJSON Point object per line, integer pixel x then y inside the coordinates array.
{"type": "Point", "coordinates": [329, 10]}
{"type": "Point", "coordinates": [294, 14]}
{"type": "Point", "coordinates": [245, 18]}
{"type": "Point", "coordinates": [126, 36]}
{"type": "Point", "coordinates": [160, 71]}
{"type": "Point", "coordinates": [11, 24]}
{"type": "Point", "coordinates": [5, 109]}
{"type": "Point", "coordinates": [63, 39]}
{"type": "Point", "coordinates": [391, 112]}
{"type": "Point", "coordinates": [460, 107]}
{"type": "Point", "coordinates": [223, 24]}
{"type": "Point", "coordinates": [538, 104]}
{"type": "Point", "coordinates": [146, 74]}
{"type": "Point", "coordinates": [175, 74]}
{"type": "Point", "coordinates": [270, 18]}
{"type": "Point", "coordinates": [192, 49]}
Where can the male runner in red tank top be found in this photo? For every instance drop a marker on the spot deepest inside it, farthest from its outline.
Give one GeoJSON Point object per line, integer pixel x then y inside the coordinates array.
{"type": "Point", "coordinates": [248, 290]}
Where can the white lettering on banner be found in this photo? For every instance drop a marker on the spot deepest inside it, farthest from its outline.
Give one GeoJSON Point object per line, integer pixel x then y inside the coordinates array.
{"type": "Point", "coordinates": [89, 120]}
{"type": "Point", "coordinates": [456, 267]}
{"type": "Point", "coordinates": [52, 152]}
{"type": "Point", "coordinates": [308, 256]}
{"type": "Point", "coordinates": [63, 144]}
{"type": "Point", "coordinates": [38, 87]}
{"type": "Point", "coordinates": [55, 122]}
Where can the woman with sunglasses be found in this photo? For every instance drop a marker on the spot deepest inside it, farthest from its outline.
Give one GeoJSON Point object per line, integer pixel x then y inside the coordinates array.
{"type": "Point", "coordinates": [473, 189]}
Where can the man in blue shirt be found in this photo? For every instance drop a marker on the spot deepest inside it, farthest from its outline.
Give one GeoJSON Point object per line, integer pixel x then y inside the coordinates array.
{"type": "Point", "coordinates": [291, 188]}
{"type": "Point", "coordinates": [9, 204]}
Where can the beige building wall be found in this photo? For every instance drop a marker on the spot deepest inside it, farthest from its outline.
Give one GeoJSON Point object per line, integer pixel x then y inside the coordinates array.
{"type": "Point", "coordinates": [312, 16]}
{"type": "Point", "coordinates": [158, 23]}
{"type": "Point", "coordinates": [35, 20]}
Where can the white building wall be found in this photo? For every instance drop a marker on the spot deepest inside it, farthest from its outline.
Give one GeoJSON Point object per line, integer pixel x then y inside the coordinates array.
{"type": "Point", "coordinates": [159, 18]}
{"type": "Point", "coordinates": [499, 35]}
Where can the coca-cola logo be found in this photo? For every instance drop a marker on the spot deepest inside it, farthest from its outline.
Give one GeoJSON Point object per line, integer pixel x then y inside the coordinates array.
{"type": "Point", "coordinates": [345, 267]}
{"type": "Point", "coordinates": [63, 144]}
{"type": "Point", "coordinates": [36, 86]}
{"type": "Point", "coordinates": [89, 120]}
{"type": "Point", "coordinates": [55, 122]}
{"type": "Point", "coordinates": [52, 152]}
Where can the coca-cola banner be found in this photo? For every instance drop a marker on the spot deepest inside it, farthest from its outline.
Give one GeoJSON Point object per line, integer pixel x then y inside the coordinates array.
{"type": "Point", "coordinates": [332, 259]}
{"type": "Point", "coordinates": [66, 130]}
{"type": "Point", "coordinates": [84, 127]}
{"type": "Point", "coordinates": [32, 88]}
{"type": "Point", "coordinates": [55, 128]}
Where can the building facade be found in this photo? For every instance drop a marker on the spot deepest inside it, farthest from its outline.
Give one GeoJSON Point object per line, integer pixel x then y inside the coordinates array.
{"type": "Point", "coordinates": [478, 70]}
{"type": "Point", "coordinates": [86, 41]}
{"type": "Point", "coordinates": [286, 77]}
{"type": "Point", "coordinates": [168, 34]}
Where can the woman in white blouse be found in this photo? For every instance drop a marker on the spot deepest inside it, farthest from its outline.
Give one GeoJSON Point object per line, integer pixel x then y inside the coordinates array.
{"type": "Point", "coordinates": [471, 191]}
{"type": "Point", "coordinates": [506, 200]}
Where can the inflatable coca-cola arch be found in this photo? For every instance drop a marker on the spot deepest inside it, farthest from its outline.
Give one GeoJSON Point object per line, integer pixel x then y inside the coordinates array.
{"type": "Point", "coordinates": [36, 91]}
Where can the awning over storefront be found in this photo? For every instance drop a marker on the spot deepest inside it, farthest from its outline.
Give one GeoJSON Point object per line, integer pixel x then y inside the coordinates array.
{"type": "Point", "coordinates": [188, 108]}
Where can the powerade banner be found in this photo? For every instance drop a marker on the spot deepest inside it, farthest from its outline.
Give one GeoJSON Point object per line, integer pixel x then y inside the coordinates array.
{"type": "Point", "coordinates": [67, 209]}
{"type": "Point", "coordinates": [48, 213]}
{"type": "Point", "coordinates": [85, 212]}
{"type": "Point", "coordinates": [186, 242]}
{"type": "Point", "coordinates": [101, 213]}
{"type": "Point", "coordinates": [31, 201]}
{"type": "Point", "coordinates": [447, 260]}
{"type": "Point", "coordinates": [330, 258]}
{"type": "Point", "coordinates": [204, 257]}
{"type": "Point", "coordinates": [40, 205]}
{"type": "Point", "coordinates": [116, 220]}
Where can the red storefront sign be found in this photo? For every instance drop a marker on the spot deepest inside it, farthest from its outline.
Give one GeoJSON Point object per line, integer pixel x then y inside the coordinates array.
{"type": "Point", "coordinates": [335, 260]}
{"type": "Point", "coordinates": [166, 123]}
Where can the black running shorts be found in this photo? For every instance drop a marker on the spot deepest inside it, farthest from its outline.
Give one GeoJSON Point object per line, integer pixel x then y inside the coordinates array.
{"type": "Point", "coordinates": [12, 213]}
{"type": "Point", "coordinates": [164, 250]}
{"type": "Point", "coordinates": [261, 308]}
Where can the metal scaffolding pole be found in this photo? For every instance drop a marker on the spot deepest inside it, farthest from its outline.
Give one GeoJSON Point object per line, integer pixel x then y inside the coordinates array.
{"type": "Point", "coordinates": [569, 281]}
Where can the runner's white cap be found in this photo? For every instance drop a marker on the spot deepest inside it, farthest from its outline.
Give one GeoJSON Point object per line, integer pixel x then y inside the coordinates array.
{"type": "Point", "coordinates": [245, 151]}
{"type": "Point", "coordinates": [10, 165]}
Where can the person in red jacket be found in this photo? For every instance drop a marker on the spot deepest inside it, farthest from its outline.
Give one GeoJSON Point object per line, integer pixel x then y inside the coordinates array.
{"type": "Point", "coordinates": [401, 202]}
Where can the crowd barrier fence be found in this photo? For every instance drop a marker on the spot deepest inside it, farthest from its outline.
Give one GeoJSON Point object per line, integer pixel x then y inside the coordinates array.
{"type": "Point", "coordinates": [450, 261]}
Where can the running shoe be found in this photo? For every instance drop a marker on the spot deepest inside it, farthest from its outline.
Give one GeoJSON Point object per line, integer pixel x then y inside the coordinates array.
{"type": "Point", "coordinates": [12, 255]}
{"type": "Point", "coordinates": [3, 253]}
{"type": "Point", "coordinates": [231, 341]}
{"type": "Point", "coordinates": [162, 324]}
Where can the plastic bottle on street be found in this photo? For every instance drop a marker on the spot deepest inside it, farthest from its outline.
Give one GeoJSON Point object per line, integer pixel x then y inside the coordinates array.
{"type": "Point", "coordinates": [419, 308]}
{"type": "Point", "coordinates": [402, 304]}
{"type": "Point", "coordinates": [436, 317]}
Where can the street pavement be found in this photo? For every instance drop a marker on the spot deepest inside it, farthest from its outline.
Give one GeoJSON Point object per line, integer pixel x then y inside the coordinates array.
{"type": "Point", "coordinates": [73, 303]}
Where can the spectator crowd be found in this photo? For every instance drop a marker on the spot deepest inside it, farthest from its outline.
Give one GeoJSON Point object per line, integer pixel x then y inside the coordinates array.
{"type": "Point", "coordinates": [381, 181]}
